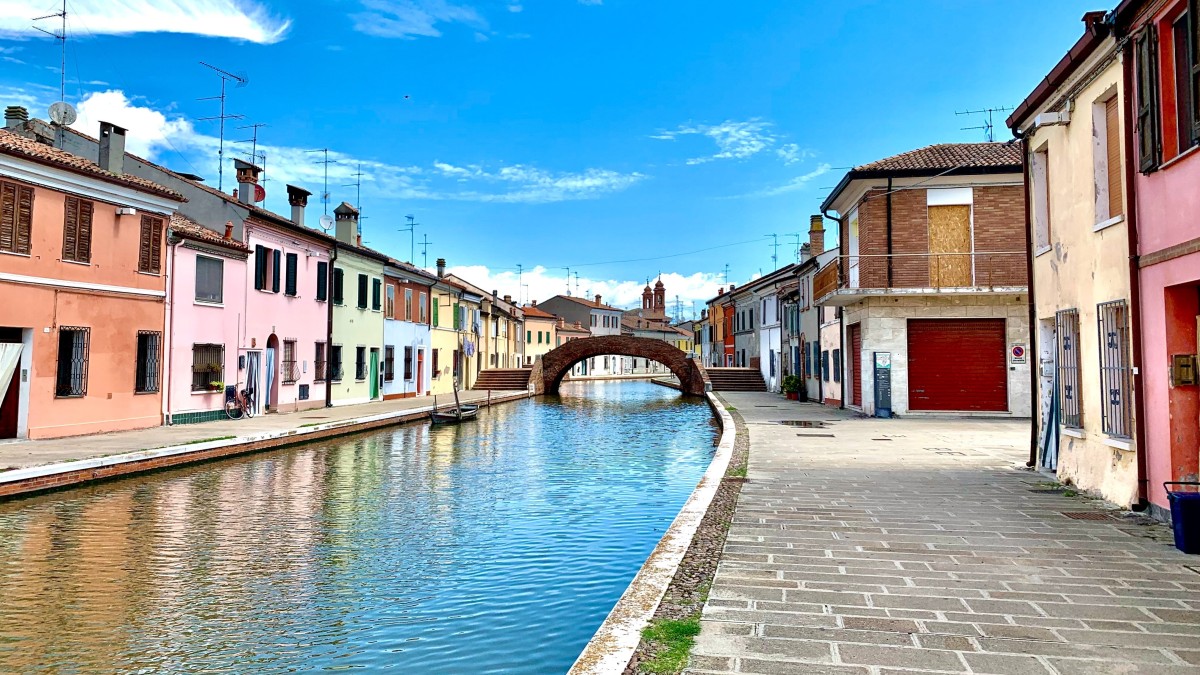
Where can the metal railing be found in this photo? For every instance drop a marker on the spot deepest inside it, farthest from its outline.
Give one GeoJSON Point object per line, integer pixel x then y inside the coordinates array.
{"type": "Point", "coordinates": [923, 270]}
{"type": "Point", "coordinates": [289, 371]}
{"type": "Point", "coordinates": [318, 371]}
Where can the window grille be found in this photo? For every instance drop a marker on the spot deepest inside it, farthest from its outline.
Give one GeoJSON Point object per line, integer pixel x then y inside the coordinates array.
{"type": "Point", "coordinates": [289, 366]}
{"type": "Point", "coordinates": [210, 279]}
{"type": "Point", "coordinates": [319, 362]}
{"type": "Point", "coordinates": [73, 346]}
{"type": "Point", "coordinates": [207, 365]}
{"type": "Point", "coordinates": [1067, 325]}
{"type": "Point", "coordinates": [360, 363]}
{"type": "Point", "coordinates": [1116, 373]}
{"type": "Point", "coordinates": [149, 345]}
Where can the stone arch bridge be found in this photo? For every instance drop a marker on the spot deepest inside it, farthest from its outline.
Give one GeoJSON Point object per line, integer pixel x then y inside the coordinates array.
{"type": "Point", "coordinates": [554, 365]}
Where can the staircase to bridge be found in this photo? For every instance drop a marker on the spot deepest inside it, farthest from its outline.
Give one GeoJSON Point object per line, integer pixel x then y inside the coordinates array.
{"type": "Point", "coordinates": [502, 379]}
{"type": "Point", "coordinates": [736, 379]}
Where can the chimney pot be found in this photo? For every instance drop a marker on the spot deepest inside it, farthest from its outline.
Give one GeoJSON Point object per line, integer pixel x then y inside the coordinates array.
{"type": "Point", "coordinates": [15, 116]}
{"type": "Point", "coordinates": [358, 240]}
{"type": "Point", "coordinates": [346, 227]}
{"type": "Point", "coordinates": [816, 235]}
{"type": "Point", "coordinates": [597, 298]}
{"type": "Point", "coordinates": [112, 148]}
{"type": "Point", "coordinates": [298, 199]}
{"type": "Point", "coordinates": [508, 299]}
{"type": "Point", "coordinates": [247, 178]}
{"type": "Point", "coordinates": [441, 267]}
{"type": "Point", "coordinates": [228, 230]}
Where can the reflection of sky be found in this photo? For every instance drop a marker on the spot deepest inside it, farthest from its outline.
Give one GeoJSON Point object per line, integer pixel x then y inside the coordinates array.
{"type": "Point", "coordinates": [497, 545]}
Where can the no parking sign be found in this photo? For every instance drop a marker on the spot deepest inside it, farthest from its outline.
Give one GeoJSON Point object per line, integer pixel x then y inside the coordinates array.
{"type": "Point", "coordinates": [1018, 353]}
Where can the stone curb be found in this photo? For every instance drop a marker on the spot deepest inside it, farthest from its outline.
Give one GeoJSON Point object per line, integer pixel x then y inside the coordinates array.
{"type": "Point", "coordinates": [614, 643]}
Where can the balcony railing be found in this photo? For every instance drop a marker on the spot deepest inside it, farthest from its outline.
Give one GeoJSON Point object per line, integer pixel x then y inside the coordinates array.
{"type": "Point", "coordinates": [923, 271]}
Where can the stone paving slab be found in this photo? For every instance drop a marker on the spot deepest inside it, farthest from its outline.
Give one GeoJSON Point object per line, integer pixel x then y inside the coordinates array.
{"type": "Point", "coordinates": [933, 551]}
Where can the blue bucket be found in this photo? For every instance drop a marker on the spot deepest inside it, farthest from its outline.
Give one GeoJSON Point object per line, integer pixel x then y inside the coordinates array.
{"type": "Point", "coordinates": [1185, 517]}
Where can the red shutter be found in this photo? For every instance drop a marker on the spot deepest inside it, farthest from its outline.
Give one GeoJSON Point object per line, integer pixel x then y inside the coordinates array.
{"type": "Point", "coordinates": [957, 364]}
{"type": "Point", "coordinates": [856, 365]}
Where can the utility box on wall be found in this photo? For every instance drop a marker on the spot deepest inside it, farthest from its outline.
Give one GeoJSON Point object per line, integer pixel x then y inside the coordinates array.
{"type": "Point", "coordinates": [883, 384]}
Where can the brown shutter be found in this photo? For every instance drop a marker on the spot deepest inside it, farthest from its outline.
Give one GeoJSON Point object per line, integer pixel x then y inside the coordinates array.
{"type": "Point", "coordinates": [71, 229]}
{"type": "Point", "coordinates": [1112, 140]}
{"type": "Point", "coordinates": [156, 233]}
{"type": "Point", "coordinates": [84, 242]}
{"type": "Point", "coordinates": [144, 245]}
{"type": "Point", "coordinates": [24, 218]}
{"type": "Point", "coordinates": [8, 217]}
{"type": "Point", "coordinates": [1147, 100]}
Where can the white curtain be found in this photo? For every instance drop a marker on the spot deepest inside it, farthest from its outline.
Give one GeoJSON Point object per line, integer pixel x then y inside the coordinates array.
{"type": "Point", "coordinates": [10, 357]}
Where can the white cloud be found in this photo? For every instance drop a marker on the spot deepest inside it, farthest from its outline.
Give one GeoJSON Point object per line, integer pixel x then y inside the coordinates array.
{"type": "Point", "coordinates": [734, 140]}
{"type": "Point", "coordinates": [541, 283]}
{"type": "Point", "coordinates": [238, 19]}
{"type": "Point", "coordinates": [797, 183]}
{"type": "Point", "coordinates": [790, 153]}
{"type": "Point", "coordinates": [591, 2]}
{"type": "Point", "coordinates": [150, 131]}
{"type": "Point", "coordinates": [515, 7]}
{"type": "Point", "coordinates": [411, 19]}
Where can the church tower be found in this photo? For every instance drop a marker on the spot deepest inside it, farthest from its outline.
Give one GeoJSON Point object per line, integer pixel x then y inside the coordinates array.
{"type": "Point", "coordinates": [647, 300]}
{"type": "Point", "coordinates": [660, 299]}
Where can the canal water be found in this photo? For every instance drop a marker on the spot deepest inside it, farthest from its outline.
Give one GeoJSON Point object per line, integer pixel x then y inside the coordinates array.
{"type": "Point", "coordinates": [494, 546]}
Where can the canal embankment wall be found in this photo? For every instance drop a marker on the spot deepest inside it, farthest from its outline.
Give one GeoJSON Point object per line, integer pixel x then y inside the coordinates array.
{"type": "Point", "coordinates": [614, 643]}
{"type": "Point", "coordinates": [57, 475]}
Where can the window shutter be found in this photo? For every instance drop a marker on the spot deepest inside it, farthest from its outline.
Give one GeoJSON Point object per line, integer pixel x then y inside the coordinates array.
{"type": "Point", "coordinates": [290, 280]}
{"type": "Point", "coordinates": [155, 245]}
{"type": "Point", "coordinates": [1147, 99]}
{"type": "Point", "coordinates": [322, 280]}
{"type": "Point", "coordinates": [71, 229]}
{"type": "Point", "coordinates": [144, 246]}
{"type": "Point", "coordinates": [1112, 133]}
{"type": "Point", "coordinates": [8, 217]}
{"type": "Point", "coordinates": [276, 259]}
{"type": "Point", "coordinates": [362, 291]}
{"type": "Point", "coordinates": [24, 219]}
{"type": "Point", "coordinates": [84, 234]}
{"type": "Point", "coordinates": [376, 289]}
{"type": "Point", "coordinates": [339, 294]}
{"type": "Point", "coordinates": [260, 267]}
{"type": "Point", "coordinates": [1194, 50]}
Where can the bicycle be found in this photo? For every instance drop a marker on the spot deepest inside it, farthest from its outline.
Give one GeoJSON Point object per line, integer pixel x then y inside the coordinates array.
{"type": "Point", "coordinates": [239, 404]}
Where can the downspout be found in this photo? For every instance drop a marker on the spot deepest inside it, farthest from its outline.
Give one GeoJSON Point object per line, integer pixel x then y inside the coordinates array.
{"type": "Point", "coordinates": [329, 327]}
{"type": "Point", "coordinates": [1135, 286]}
{"type": "Point", "coordinates": [889, 231]}
{"type": "Point", "coordinates": [1034, 381]}
{"type": "Point", "coordinates": [843, 247]}
{"type": "Point", "coordinates": [169, 343]}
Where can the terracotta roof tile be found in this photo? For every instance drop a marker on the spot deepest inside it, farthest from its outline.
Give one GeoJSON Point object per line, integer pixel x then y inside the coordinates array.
{"type": "Point", "coordinates": [535, 313]}
{"type": "Point", "coordinates": [26, 148]}
{"type": "Point", "coordinates": [588, 303]}
{"type": "Point", "coordinates": [945, 156]}
{"type": "Point", "coordinates": [190, 229]}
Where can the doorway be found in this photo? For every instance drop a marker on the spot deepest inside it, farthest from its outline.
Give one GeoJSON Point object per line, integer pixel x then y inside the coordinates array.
{"type": "Point", "coordinates": [374, 373]}
{"type": "Point", "coordinates": [420, 371]}
{"type": "Point", "coordinates": [12, 351]}
{"type": "Point", "coordinates": [271, 385]}
{"type": "Point", "coordinates": [253, 363]}
{"type": "Point", "coordinates": [855, 340]}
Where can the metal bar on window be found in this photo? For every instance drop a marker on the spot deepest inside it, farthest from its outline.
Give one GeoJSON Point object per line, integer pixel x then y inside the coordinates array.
{"type": "Point", "coordinates": [1116, 373]}
{"type": "Point", "coordinates": [1067, 325]}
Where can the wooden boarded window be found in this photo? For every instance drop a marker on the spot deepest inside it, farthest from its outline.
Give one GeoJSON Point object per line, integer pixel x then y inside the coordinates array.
{"type": "Point", "coordinates": [1112, 142]}
{"type": "Point", "coordinates": [150, 245]}
{"type": "Point", "coordinates": [16, 217]}
{"type": "Point", "coordinates": [950, 246]}
{"type": "Point", "coordinates": [77, 230]}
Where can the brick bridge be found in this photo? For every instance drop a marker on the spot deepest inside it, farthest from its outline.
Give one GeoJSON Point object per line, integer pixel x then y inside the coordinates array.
{"type": "Point", "coordinates": [550, 369]}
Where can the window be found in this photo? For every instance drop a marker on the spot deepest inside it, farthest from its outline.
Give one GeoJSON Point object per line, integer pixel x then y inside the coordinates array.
{"type": "Point", "coordinates": [837, 365]}
{"type": "Point", "coordinates": [362, 291]}
{"type": "Point", "coordinates": [825, 365]}
{"type": "Point", "coordinates": [339, 296]}
{"type": "Point", "coordinates": [1147, 100]}
{"type": "Point", "coordinates": [1067, 325]}
{"type": "Point", "coordinates": [322, 281]}
{"type": "Point", "coordinates": [376, 294]}
{"type": "Point", "coordinates": [208, 363]}
{"type": "Point", "coordinates": [319, 362]}
{"type": "Point", "coordinates": [210, 279]}
{"type": "Point", "coordinates": [421, 300]}
{"type": "Point", "coordinates": [16, 217]}
{"type": "Point", "coordinates": [150, 245]}
{"type": "Point", "coordinates": [436, 305]}
{"type": "Point", "coordinates": [1116, 373]}
{"type": "Point", "coordinates": [1183, 86]}
{"type": "Point", "coordinates": [335, 363]}
{"type": "Point", "coordinates": [389, 362]}
{"type": "Point", "coordinates": [266, 268]}
{"type": "Point", "coordinates": [408, 313]}
{"type": "Point", "coordinates": [389, 305]}
{"type": "Point", "coordinates": [290, 271]}
{"type": "Point", "coordinates": [540, 337]}
{"type": "Point", "coordinates": [408, 363]}
{"type": "Point", "coordinates": [77, 230]}
{"type": "Point", "coordinates": [457, 316]}
{"type": "Point", "coordinates": [529, 336]}
{"type": "Point", "coordinates": [433, 362]}
{"type": "Point", "coordinates": [593, 321]}
{"type": "Point", "coordinates": [148, 348]}
{"type": "Point", "coordinates": [73, 347]}
{"type": "Point", "coordinates": [1107, 159]}
{"type": "Point", "coordinates": [360, 363]}
{"type": "Point", "coordinates": [289, 367]}
{"type": "Point", "coordinates": [1040, 177]}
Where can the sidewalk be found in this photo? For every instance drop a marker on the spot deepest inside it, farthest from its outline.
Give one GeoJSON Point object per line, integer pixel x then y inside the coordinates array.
{"type": "Point", "coordinates": [918, 545]}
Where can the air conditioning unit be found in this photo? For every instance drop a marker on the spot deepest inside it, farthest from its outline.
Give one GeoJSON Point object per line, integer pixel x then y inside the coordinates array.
{"type": "Point", "coordinates": [126, 211]}
{"type": "Point", "coordinates": [1050, 119]}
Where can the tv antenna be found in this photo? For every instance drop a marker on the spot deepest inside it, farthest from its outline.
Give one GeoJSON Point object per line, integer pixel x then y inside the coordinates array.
{"type": "Point", "coordinates": [326, 161]}
{"type": "Point", "coordinates": [411, 229]}
{"type": "Point", "coordinates": [425, 250]}
{"type": "Point", "coordinates": [357, 185]}
{"type": "Point", "coordinates": [61, 36]}
{"type": "Point", "coordinates": [520, 281]}
{"type": "Point", "coordinates": [987, 127]}
{"type": "Point", "coordinates": [576, 283]}
{"type": "Point", "coordinates": [775, 248]}
{"type": "Point", "coordinates": [239, 82]}
{"type": "Point", "coordinates": [568, 269]}
{"type": "Point", "coordinates": [725, 273]}
{"type": "Point", "coordinates": [253, 140]}
{"type": "Point", "coordinates": [798, 240]}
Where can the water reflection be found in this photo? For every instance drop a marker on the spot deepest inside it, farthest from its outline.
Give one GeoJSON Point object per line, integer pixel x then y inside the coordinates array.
{"type": "Point", "coordinates": [494, 546]}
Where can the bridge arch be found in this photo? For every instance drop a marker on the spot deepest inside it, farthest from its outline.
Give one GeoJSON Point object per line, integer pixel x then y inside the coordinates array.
{"type": "Point", "coordinates": [555, 364]}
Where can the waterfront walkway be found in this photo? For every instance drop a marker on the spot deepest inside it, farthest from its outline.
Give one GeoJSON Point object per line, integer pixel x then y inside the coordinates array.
{"type": "Point", "coordinates": [23, 454]}
{"type": "Point", "coordinates": [920, 545]}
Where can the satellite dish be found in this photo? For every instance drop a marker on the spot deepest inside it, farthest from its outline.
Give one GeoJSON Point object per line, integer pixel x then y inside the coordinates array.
{"type": "Point", "coordinates": [259, 194]}
{"type": "Point", "coordinates": [326, 222]}
{"type": "Point", "coordinates": [63, 114]}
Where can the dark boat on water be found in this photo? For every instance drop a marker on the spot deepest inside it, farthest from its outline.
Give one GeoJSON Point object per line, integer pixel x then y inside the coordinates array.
{"type": "Point", "coordinates": [455, 415]}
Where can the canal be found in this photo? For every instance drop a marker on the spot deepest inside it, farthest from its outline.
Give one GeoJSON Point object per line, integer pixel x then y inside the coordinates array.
{"type": "Point", "coordinates": [495, 546]}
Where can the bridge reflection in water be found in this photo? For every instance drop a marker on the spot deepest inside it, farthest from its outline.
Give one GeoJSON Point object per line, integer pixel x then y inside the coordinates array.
{"type": "Point", "coordinates": [494, 546]}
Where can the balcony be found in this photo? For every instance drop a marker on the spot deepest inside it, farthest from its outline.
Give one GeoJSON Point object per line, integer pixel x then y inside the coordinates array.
{"type": "Point", "coordinates": [850, 279]}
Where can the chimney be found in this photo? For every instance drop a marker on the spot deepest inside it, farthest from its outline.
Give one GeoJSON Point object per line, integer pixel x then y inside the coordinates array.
{"type": "Point", "coordinates": [441, 267]}
{"type": "Point", "coordinates": [578, 326]}
{"type": "Point", "coordinates": [816, 235]}
{"type": "Point", "coordinates": [358, 240]}
{"type": "Point", "coordinates": [112, 148]}
{"type": "Point", "coordinates": [298, 198]}
{"type": "Point", "coordinates": [562, 323]}
{"type": "Point", "coordinates": [228, 230]}
{"type": "Point", "coordinates": [597, 298]}
{"type": "Point", "coordinates": [805, 251]}
{"type": "Point", "coordinates": [346, 228]}
{"type": "Point", "coordinates": [720, 291]}
{"type": "Point", "coordinates": [533, 303]}
{"type": "Point", "coordinates": [508, 299]}
{"type": "Point", "coordinates": [247, 178]}
{"type": "Point", "coordinates": [15, 116]}
{"type": "Point", "coordinates": [731, 287]}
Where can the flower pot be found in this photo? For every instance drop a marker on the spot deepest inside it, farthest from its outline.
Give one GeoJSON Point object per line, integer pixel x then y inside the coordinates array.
{"type": "Point", "coordinates": [793, 395]}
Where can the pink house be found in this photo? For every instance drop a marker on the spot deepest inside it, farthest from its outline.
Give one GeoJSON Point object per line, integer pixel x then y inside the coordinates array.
{"type": "Point", "coordinates": [1163, 62]}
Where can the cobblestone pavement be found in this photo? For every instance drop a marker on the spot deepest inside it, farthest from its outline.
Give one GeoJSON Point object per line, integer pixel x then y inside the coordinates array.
{"type": "Point", "coordinates": [920, 545]}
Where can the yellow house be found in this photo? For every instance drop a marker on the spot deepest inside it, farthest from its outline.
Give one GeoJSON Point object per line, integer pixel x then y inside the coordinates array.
{"type": "Point", "coordinates": [1074, 129]}
{"type": "Point", "coordinates": [500, 325]}
{"type": "Point", "coordinates": [357, 349]}
{"type": "Point", "coordinates": [456, 329]}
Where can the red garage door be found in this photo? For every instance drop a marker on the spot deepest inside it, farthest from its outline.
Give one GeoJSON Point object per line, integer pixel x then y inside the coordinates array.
{"type": "Point", "coordinates": [957, 364]}
{"type": "Point", "coordinates": [856, 364]}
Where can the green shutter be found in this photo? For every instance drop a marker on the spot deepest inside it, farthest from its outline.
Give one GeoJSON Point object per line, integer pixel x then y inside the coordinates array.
{"type": "Point", "coordinates": [276, 259]}
{"type": "Point", "coordinates": [260, 267]}
{"type": "Point", "coordinates": [290, 278]}
{"type": "Point", "coordinates": [1149, 144]}
{"type": "Point", "coordinates": [436, 304]}
{"type": "Point", "coordinates": [322, 280]}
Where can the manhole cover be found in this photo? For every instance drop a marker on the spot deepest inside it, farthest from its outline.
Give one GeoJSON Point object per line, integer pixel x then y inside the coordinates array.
{"type": "Point", "coordinates": [1087, 515]}
{"type": "Point", "coordinates": [816, 435]}
{"type": "Point", "coordinates": [807, 424]}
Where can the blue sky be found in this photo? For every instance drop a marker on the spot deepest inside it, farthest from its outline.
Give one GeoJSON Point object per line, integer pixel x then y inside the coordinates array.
{"type": "Point", "coordinates": [580, 133]}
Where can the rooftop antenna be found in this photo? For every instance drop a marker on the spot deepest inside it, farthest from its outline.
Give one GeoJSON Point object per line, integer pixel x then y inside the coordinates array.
{"type": "Point", "coordinates": [326, 161]}
{"type": "Point", "coordinates": [678, 311]}
{"type": "Point", "coordinates": [61, 36]}
{"type": "Point", "coordinates": [253, 140]}
{"type": "Point", "coordinates": [576, 283]}
{"type": "Point", "coordinates": [798, 239]}
{"type": "Point", "coordinates": [775, 254]}
{"type": "Point", "coordinates": [987, 127]}
{"type": "Point", "coordinates": [520, 281]}
{"type": "Point", "coordinates": [568, 269]}
{"type": "Point", "coordinates": [725, 274]}
{"type": "Point", "coordinates": [425, 251]}
{"type": "Point", "coordinates": [411, 229]}
{"type": "Point", "coordinates": [357, 185]}
{"type": "Point", "coordinates": [240, 81]}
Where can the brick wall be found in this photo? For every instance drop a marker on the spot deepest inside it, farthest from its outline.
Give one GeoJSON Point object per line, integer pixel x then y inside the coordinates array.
{"type": "Point", "coordinates": [1000, 226]}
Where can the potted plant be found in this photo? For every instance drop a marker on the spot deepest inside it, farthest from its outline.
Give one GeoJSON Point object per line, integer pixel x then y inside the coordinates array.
{"type": "Point", "coordinates": [791, 387]}
{"type": "Point", "coordinates": [216, 386]}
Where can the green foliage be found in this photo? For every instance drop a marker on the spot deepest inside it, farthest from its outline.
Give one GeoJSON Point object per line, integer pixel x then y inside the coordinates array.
{"type": "Point", "coordinates": [677, 636]}
{"type": "Point", "coordinates": [792, 384]}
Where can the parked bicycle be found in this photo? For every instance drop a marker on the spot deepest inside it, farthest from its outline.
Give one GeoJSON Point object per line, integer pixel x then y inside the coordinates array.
{"type": "Point", "coordinates": [239, 403]}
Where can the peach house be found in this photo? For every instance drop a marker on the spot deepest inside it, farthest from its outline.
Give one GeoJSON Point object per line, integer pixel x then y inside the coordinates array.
{"type": "Point", "coordinates": [82, 271]}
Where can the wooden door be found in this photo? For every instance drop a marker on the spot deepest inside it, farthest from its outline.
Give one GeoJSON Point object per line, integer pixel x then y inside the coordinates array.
{"type": "Point", "coordinates": [950, 264]}
{"type": "Point", "coordinates": [856, 365]}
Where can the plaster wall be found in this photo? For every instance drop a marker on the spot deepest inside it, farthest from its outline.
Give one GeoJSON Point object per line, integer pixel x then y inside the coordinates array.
{"type": "Point", "coordinates": [831, 332]}
{"type": "Point", "coordinates": [355, 327]}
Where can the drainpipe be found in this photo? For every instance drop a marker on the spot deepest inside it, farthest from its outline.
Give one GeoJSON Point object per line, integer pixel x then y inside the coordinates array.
{"type": "Point", "coordinates": [889, 231]}
{"type": "Point", "coordinates": [1135, 286]}
{"type": "Point", "coordinates": [1034, 382]}
{"type": "Point", "coordinates": [843, 248]}
{"type": "Point", "coordinates": [329, 328]}
{"type": "Point", "coordinates": [169, 343]}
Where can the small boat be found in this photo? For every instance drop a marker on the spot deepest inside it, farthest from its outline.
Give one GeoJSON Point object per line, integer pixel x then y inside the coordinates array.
{"type": "Point", "coordinates": [455, 415]}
